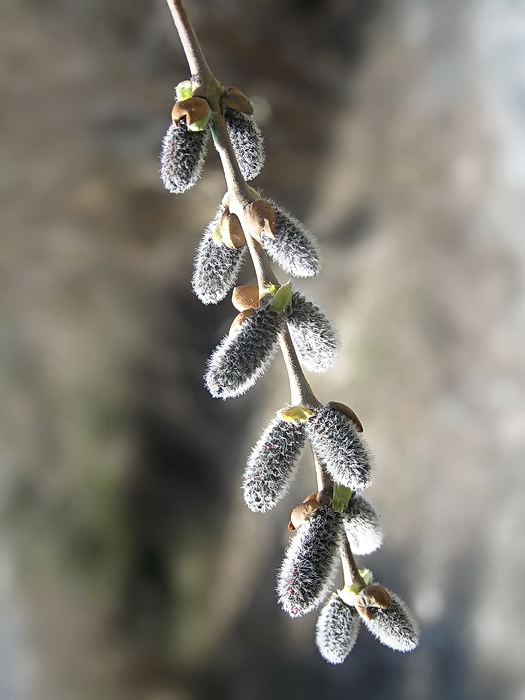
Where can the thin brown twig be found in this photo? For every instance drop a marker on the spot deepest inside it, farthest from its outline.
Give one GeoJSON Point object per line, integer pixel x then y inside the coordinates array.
{"type": "Point", "coordinates": [351, 573]}
{"type": "Point", "coordinates": [239, 196]}
{"type": "Point", "coordinates": [201, 74]}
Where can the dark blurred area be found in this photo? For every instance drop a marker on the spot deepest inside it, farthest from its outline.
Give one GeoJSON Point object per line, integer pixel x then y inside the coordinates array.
{"type": "Point", "coordinates": [129, 565]}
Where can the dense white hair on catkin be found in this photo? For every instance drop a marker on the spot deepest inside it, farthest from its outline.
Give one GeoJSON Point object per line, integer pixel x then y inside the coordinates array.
{"type": "Point", "coordinates": [394, 626]}
{"type": "Point", "coordinates": [242, 357]}
{"type": "Point", "coordinates": [182, 157]}
{"type": "Point", "coordinates": [312, 333]}
{"type": "Point", "coordinates": [247, 141]}
{"type": "Point", "coordinates": [310, 563]}
{"type": "Point", "coordinates": [362, 526]}
{"type": "Point", "coordinates": [293, 248]}
{"type": "Point", "coordinates": [215, 267]}
{"type": "Point", "coordinates": [336, 442]}
{"type": "Point", "coordinates": [336, 630]}
{"type": "Point", "coordinates": [272, 464]}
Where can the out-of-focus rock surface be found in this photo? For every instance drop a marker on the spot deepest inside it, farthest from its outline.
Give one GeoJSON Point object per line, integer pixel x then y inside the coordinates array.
{"type": "Point", "coordinates": [129, 566]}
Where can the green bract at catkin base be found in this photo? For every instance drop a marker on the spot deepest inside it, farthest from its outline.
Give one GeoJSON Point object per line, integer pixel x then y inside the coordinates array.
{"type": "Point", "coordinates": [333, 523]}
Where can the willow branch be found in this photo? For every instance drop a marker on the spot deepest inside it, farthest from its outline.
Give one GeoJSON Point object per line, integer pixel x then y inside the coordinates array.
{"type": "Point", "coordinates": [350, 569]}
{"type": "Point", "coordinates": [201, 74]}
{"type": "Point", "coordinates": [301, 391]}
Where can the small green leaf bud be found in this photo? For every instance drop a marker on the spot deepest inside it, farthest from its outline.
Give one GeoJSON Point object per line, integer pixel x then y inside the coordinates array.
{"type": "Point", "coordinates": [282, 298]}
{"type": "Point", "coordinates": [296, 414]}
{"type": "Point", "coordinates": [341, 497]}
{"type": "Point", "coordinates": [184, 90]}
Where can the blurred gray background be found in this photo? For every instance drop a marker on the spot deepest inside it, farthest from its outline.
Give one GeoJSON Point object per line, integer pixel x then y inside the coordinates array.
{"type": "Point", "coordinates": [129, 565]}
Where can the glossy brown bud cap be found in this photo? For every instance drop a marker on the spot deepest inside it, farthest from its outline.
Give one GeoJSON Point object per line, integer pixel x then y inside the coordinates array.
{"type": "Point", "coordinates": [301, 513]}
{"type": "Point", "coordinates": [371, 597]}
{"type": "Point", "coordinates": [232, 234]}
{"type": "Point", "coordinates": [260, 219]}
{"type": "Point", "coordinates": [193, 110]}
{"type": "Point", "coordinates": [348, 413]}
{"type": "Point", "coordinates": [239, 320]}
{"type": "Point", "coordinates": [235, 99]}
{"type": "Point", "coordinates": [245, 296]}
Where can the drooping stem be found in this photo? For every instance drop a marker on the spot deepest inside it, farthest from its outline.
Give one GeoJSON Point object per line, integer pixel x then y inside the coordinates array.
{"type": "Point", "coordinates": [351, 573]}
{"type": "Point", "coordinates": [301, 391]}
{"type": "Point", "coordinates": [239, 196]}
{"type": "Point", "coordinates": [324, 482]}
{"type": "Point", "coordinates": [201, 75]}
{"type": "Point", "coordinates": [238, 191]}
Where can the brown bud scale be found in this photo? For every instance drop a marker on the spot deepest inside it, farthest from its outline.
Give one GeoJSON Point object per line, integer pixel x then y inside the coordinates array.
{"type": "Point", "coordinates": [349, 413]}
{"type": "Point", "coordinates": [371, 597]}
{"type": "Point", "coordinates": [301, 513]}
{"type": "Point", "coordinates": [245, 296]}
{"type": "Point", "coordinates": [192, 110]}
{"type": "Point", "coordinates": [239, 320]}
{"type": "Point", "coordinates": [232, 234]}
{"type": "Point", "coordinates": [235, 99]}
{"type": "Point", "coordinates": [260, 219]}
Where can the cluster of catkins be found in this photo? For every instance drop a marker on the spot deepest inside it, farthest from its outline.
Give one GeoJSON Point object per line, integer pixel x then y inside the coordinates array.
{"type": "Point", "coordinates": [339, 517]}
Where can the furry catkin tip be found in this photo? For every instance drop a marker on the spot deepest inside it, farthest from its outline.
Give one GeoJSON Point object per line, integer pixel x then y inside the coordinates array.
{"type": "Point", "coordinates": [362, 526]}
{"type": "Point", "coordinates": [247, 141]}
{"type": "Point", "coordinates": [273, 463]}
{"type": "Point", "coordinates": [312, 333]}
{"type": "Point", "coordinates": [336, 630]}
{"type": "Point", "coordinates": [293, 247]}
{"type": "Point", "coordinates": [182, 157]}
{"type": "Point", "coordinates": [336, 442]}
{"type": "Point", "coordinates": [394, 626]}
{"type": "Point", "coordinates": [310, 563]}
{"type": "Point", "coordinates": [216, 267]}
{"type": "Point", "coordinates": [240, 359]}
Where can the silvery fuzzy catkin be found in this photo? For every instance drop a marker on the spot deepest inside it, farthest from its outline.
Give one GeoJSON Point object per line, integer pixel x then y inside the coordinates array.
{"type": "Point", "coordinates": [312, 334]}
{"type": "Point", "coordinates": [272, 463]}
{"type": "Point", "coordinates": [336, 630]}
{"type": "Point", "coordinates": [216, 267]}
{"type": "Point", "coordinates": [182, 157]}
{"type": "Point", "coordinates": [335, 440]}
{"type": "Point", "coordinates": [362, 526]}
{"type": "Point", "coordinates": [242, 357]}
{"type": "Point", "coordinates": [247, 141]}
{"type": "Point", "coordinates": [394, 626]}
{"type": "Point", "coordinates": [293, 248]}
{"type": "Point", "coordinates": [310, 563]}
